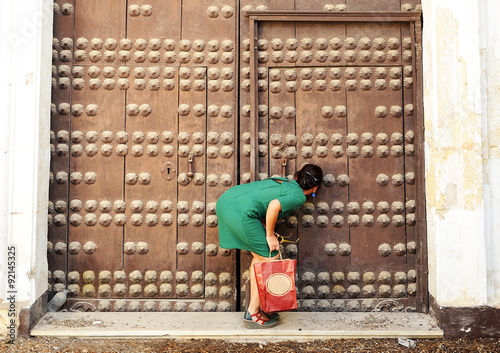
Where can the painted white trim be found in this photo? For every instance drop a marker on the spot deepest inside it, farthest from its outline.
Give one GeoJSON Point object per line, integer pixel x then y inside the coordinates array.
{"type": "Point", "coordinates": [490, 92]}
{"type": "Point", "coordinates": [26, 42]}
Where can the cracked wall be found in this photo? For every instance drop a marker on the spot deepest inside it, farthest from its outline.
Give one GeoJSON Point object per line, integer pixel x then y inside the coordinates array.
{"type": "Point", "coordinates": [460, 125]}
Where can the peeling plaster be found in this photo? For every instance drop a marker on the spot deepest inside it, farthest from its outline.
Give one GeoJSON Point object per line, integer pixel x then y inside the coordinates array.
{"type": "Point", "coordinates": [456, 131]}
{"type": "Point", "coordinates": [492, 58]}
{"type": "Point", "coordinates": [454, 153]}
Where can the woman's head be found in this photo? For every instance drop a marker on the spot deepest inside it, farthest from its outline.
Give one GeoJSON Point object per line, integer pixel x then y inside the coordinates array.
{"type": "Point", "coordinates": [309, 176]}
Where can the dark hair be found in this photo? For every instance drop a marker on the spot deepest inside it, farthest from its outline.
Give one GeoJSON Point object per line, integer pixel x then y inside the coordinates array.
{"type": "Point", "coordinates": [309, 176]}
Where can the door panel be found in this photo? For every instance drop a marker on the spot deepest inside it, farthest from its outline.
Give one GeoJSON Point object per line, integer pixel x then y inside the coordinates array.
{"type": "Point", "coordinates": [343, 227]}
{"type": "Point", "coordinates": [95, 241]}
{"type": "Point", "coordinates": [320, 220]}
{"type": "Point", "coordinates": [191, 198]}
{"type": "Point", "coordinates": [353, 252]}
{"type": "Point", "coordinates": [145, 92]}
{"type": "Point", "coordinates": [209, 28]}
{"type": "Point", "coordinates": [150, 234]}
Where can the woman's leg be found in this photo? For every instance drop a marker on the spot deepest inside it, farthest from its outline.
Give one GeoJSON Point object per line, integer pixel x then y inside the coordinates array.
{"type": "Point", "coordinates": [254, 305]}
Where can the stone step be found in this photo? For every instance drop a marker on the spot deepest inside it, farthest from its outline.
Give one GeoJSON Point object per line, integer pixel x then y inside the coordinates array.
{"type": "Point", "coordinates": [298, 326]}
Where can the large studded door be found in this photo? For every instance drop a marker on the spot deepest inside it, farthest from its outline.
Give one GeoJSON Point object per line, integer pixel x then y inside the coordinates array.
{"type": "Point", "coordinates": [340, 94]}
{"type": "Point", "coordinates": [152, 120]}
{"type": "Point", "coordinates": [143, 145]}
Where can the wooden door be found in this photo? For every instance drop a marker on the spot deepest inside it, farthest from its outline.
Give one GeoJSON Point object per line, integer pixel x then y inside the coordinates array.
{"type": "Point", "coordinates": [144, 144]}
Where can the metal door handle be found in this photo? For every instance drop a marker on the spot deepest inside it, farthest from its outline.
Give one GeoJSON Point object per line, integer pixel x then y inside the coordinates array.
{"type": "Point", "coordinates": [190, 172]}
{"type": "Point", "coordinates": [284, 159]}
{"type": "Point", "coordinates": [283, 165]}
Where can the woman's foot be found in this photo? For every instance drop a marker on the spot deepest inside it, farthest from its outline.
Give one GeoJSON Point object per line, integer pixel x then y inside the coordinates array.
{"type": "Point", "coordinates": [273, 316]}
{"type": "Point", "coordinates": [258, 321]}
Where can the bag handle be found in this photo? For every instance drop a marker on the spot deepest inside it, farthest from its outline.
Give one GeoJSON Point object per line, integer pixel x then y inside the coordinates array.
{"type": "Point", "coordinates": [280, 256]}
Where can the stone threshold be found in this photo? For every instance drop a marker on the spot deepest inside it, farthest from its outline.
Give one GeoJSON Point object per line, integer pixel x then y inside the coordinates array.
{"type": "Point", "coordinates": [296, 326]}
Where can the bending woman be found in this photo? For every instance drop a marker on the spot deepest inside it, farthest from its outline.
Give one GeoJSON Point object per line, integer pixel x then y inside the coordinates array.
{"type": "Point", "coordinates": [247, 215]}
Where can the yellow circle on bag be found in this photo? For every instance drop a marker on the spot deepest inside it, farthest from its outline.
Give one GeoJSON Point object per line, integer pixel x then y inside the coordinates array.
{"type": "Point", "coordinates": [279, 284]}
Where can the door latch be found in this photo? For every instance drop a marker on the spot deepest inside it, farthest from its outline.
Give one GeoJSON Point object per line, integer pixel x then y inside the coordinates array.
{"type": "Point", "coordinates": [190, 172]}
{"type": "Point", "coordinates": [284, 159]}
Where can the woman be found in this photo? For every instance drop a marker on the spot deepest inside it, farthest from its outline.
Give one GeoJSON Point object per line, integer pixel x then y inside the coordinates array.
{"type": "Point", "coordinates": [247, 215]}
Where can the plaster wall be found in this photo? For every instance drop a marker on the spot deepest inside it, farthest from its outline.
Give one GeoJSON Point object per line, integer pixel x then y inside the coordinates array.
{"type": "Point", "coordinates": [461, 150]}
{"type": "Point", "coordinates": [25, 90]}
{"type": "Point", "coordinates": [490, 94]}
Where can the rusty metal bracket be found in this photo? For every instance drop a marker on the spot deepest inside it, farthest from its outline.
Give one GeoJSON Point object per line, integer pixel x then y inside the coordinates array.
{"type": "Point", "coordinates": [284, 159]}
{"type": "Point", "coordinates": [284, 162]}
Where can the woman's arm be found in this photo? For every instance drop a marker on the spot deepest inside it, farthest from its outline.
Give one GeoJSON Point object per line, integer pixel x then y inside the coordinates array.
{"type": "Point", "coordinates": [273, 210]}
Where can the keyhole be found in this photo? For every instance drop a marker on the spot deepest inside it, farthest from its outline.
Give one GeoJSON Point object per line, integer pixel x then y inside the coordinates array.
{"type": "Point", "coordinates": [168, 170]}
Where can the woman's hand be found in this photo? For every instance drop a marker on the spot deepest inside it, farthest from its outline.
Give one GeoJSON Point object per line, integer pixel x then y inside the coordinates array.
{"type": "Point", "coordinates": [273, 242]}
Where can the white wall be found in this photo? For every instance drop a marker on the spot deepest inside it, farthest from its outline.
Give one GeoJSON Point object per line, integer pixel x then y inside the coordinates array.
{"type": "Point", "coordinates": [460, 148]}
{"type": "Point", "coordinates": [25, 90]}
{"type": "Point", "coordinates": [490, 70]}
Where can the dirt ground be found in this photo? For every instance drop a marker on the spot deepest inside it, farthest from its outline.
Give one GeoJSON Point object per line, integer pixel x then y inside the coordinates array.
{"type": "Point", "coordinates": [205, 346]}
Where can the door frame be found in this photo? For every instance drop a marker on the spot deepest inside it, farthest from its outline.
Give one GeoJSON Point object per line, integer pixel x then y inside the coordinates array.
{"type": "Point", "coordinates": [415, 21]}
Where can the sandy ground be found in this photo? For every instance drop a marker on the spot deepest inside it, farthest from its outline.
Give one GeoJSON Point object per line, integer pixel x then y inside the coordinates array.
{"type": "Point", "coordinates": [202, 346]}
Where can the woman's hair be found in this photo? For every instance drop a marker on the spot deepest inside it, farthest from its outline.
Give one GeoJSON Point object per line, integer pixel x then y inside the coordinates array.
{"type": "Point", "coordinates": [309, 176]}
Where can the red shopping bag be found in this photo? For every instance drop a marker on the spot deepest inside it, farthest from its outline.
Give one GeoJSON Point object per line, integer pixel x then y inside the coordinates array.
{"type": "Point", "coordinates": [276, 285]}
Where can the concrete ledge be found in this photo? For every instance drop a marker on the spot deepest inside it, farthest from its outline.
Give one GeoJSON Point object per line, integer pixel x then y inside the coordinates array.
{"type": "Point", "coordinates": [229, 326]}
